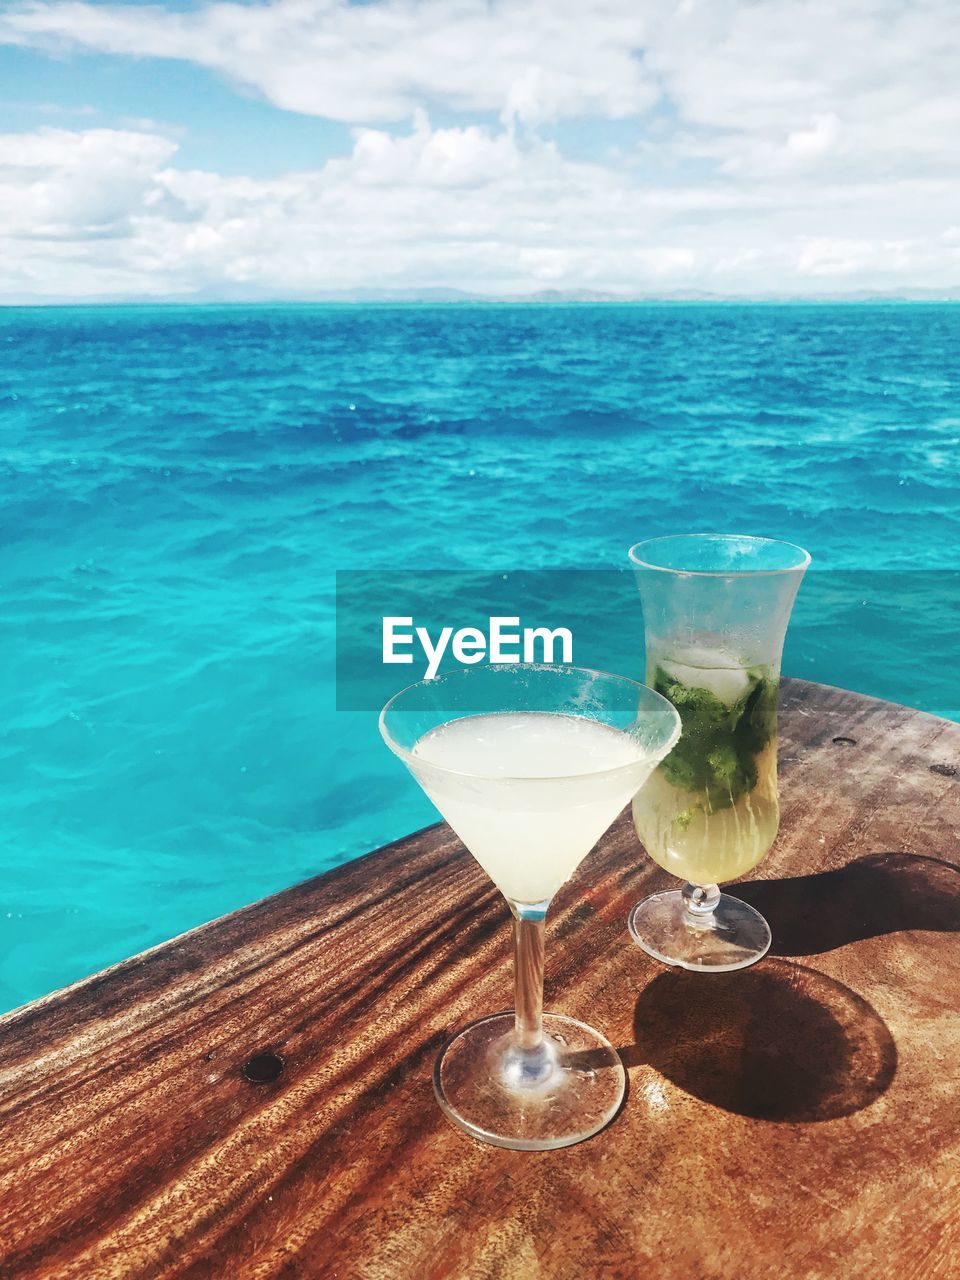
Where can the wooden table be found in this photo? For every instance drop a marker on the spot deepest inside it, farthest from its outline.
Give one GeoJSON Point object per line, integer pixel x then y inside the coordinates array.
{"type": "Point", "coordinates": [254, 1099]}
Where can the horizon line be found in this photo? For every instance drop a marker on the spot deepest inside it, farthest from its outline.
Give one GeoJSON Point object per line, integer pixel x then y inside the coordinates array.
{"type": "Point", "coordinates": [502, 300]}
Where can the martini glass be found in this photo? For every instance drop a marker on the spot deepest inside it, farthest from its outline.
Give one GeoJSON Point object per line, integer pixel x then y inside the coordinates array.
{"type": "Point", "coordinates": [716, 608]}
{"type": "Point", "coordinates": [529, 765]}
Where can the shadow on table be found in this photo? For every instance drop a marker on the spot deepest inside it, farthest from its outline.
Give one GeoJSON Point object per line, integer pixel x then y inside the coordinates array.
{"type": "Point", "coordinates": [780, 1042]}
{"type": "Point", "coordinates": [877, 894]}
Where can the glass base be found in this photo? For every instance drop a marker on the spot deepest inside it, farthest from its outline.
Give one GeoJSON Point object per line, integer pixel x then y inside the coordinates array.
{"type": "Point", "coordinates": [732, 936]}
{"type": "Point", "coordinates": [533, 1101]}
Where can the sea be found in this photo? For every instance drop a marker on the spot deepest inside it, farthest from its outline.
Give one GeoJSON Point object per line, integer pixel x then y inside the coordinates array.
{"type": "Point", "coordinates": [181, 484]}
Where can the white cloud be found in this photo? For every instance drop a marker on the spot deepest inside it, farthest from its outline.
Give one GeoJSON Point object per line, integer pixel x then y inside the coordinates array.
{"type": "Point", "coordinates": [57, 183]}
{"type": "Point", "coordinates": [858, 80]}
{"type": "Point", "coordinates": [101, 212]}
{"type": "Point", "coordinates": [792, 145]}
{"type": "Point", "coordinates": [815, 140]}
{"type": "Point", "coordinates": [867, 86]}
{"type": "Point", "coordinates": [430, 158]}
{"type": "Point", "coordinates": [533, 59]}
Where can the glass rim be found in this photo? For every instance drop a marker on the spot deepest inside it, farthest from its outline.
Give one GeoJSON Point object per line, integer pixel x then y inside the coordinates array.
{"type": "Point", "coordinates": [408, 756]}
{"type": "Point", "coordinates": [802, 563]}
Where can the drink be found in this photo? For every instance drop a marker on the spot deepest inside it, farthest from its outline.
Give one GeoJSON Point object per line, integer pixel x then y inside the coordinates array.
{"type": "Point", "coordinates": [529, 792]}
{"type": "Point", "coordinates": [710, 811]}
{"type": "Point", "coordinates": [715, 609]}
{"type": "Point", "coordinates": [529, 764]}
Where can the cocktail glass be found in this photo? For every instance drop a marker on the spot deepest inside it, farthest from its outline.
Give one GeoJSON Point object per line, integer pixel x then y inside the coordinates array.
{"type": "Point", "coordinates": [716, 608]}
{"type": "Point", "coordinates": [529, 765]}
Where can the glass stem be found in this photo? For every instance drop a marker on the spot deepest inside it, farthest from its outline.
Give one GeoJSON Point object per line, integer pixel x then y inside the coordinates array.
{"type": "Point", "coordinates": [700, 902]}
{"type": "Point", "coordinates": [528, 932]}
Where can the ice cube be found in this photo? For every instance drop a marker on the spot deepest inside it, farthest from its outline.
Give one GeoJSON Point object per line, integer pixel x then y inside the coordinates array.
{"type": "Point", "coordinates": [712, 669]}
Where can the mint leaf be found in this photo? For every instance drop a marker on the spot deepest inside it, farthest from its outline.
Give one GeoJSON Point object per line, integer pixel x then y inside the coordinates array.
{"type": "Point", "coordinates": [716, 754]}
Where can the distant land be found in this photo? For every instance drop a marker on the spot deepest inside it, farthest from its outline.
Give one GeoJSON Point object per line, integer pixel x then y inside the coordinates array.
{"type": "Point", "coordinates": [244, 296]}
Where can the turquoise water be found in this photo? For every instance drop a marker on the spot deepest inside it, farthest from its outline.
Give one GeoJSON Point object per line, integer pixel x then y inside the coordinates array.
{"type": "Point", "coordinates": [179, 485]}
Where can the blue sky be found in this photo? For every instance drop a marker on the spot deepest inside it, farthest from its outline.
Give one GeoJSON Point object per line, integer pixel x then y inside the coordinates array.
{"type": "Point", "coordinates": [298, 148]}
{"type": "Point", "coordinates": [219, 125]}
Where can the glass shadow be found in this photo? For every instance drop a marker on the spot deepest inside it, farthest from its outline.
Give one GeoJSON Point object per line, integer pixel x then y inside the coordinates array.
{"type": "Point", "coordinates": [877, 894]}
{"type": "Point", "coordinates": [780, 1042]}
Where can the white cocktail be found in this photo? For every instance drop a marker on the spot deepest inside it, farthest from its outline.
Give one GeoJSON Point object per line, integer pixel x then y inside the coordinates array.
{"type": "Point", "coordinates": [529, 765]}
{"type": "Point", "coordinates": [511, 810]}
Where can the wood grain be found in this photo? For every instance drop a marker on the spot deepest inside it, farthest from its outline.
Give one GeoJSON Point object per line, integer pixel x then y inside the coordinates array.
{"type": "Point", "coordinates": [798, 1119]}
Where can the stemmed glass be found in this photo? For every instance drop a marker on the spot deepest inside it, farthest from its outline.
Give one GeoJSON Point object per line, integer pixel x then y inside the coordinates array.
{"type": "Point", "coordinates": [529, 765]}
{"type": "Point", "coordinates": [716, 608]}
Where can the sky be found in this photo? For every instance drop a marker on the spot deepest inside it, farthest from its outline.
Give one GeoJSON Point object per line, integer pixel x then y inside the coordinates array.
{"type": "Point", "coordinates": [310, 148]}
